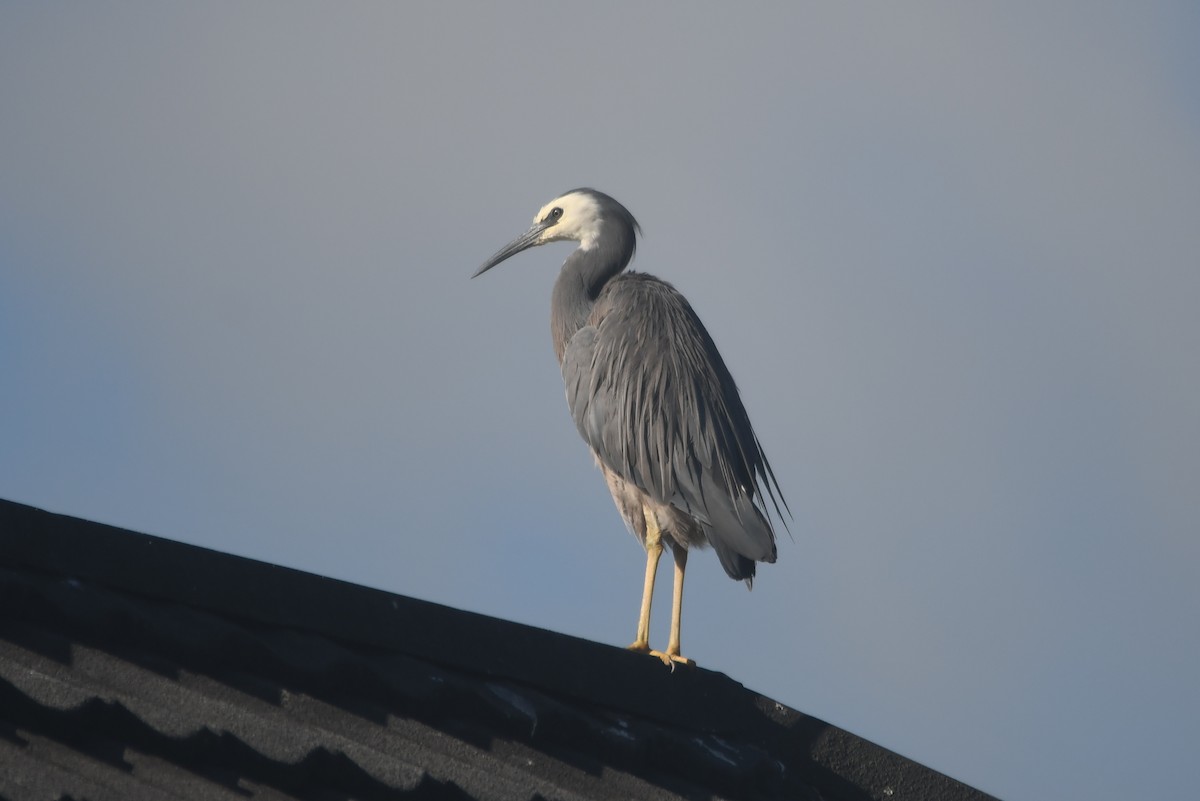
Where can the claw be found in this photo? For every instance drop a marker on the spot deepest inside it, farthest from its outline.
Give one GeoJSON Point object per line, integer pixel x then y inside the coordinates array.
{"type": "Point", "coordinates": [671, 660]}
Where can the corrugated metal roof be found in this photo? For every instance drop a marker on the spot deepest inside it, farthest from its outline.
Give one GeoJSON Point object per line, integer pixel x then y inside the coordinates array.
{"type": "Point", "coordinates": [133, 667]}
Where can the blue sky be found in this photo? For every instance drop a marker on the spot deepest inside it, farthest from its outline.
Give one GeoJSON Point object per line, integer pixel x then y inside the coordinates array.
{"type": "Point", "coordinates": [949, 253]}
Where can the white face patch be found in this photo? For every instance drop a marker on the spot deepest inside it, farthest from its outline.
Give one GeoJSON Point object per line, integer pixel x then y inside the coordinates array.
{"type": "Point", "coordinates": [580, 220]}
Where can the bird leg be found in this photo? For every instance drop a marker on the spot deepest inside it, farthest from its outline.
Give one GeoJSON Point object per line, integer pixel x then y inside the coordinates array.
{"type": "Point", "coordinates": [654, 548]}
{"type": "Point", "coordinates": [672, 655]}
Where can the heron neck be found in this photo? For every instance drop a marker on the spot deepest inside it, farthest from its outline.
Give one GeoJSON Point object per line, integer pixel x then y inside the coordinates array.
{"type": "Point", "coordinates": [583, 276]}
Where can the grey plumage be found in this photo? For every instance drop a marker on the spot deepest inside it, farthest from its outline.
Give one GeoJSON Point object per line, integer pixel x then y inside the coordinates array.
{"type": "Point", "coordinates": [667, 418]}
{"type": "Point", "coordinates": [653, 399]}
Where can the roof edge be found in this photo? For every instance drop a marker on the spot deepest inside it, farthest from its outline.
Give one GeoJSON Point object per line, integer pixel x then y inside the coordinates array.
{"type": "Point", "coordinates": [165, 570]}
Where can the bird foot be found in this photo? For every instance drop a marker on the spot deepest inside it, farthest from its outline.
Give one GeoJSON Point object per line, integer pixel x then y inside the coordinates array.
{"type": "Point", "coordinates": [668, 659]}
{"type": "Point", "coordinates": [671, 660]}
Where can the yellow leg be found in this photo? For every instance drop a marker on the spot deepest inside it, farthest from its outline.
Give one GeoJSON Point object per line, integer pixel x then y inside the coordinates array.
{"type": "Point", "coordinates": [672, 656]}
{"type": "Point", "coordinates": [653, 552]}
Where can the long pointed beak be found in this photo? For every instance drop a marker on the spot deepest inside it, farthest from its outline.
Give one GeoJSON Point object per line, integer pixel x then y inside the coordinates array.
{"type": "Point", "coordinates": [522, 242]}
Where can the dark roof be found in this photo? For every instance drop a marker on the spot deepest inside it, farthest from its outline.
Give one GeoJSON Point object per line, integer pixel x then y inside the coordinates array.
{"type": "Point", "coordinates": [133, 667]}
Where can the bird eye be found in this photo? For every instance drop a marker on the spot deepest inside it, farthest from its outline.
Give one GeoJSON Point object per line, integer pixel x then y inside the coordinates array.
{"type": "Point", "coordinates": [554, 214]}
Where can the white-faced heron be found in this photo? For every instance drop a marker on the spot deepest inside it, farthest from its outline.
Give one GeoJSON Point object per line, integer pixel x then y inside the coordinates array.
{"type": "Point", "coordinates": [654, 401]}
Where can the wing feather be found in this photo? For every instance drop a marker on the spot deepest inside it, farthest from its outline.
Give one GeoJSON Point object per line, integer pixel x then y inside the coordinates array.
{"type": "Point", "coordinates": [651, 395]}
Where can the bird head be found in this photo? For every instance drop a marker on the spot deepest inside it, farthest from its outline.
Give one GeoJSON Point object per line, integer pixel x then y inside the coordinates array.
{"type": "Point", "coordinates": [579, 216]}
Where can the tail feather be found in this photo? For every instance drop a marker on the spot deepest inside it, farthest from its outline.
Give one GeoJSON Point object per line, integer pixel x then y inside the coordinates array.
{"type": "Point", "coordinates": [735, 527]}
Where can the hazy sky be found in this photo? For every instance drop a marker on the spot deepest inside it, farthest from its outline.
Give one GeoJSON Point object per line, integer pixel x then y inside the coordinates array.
{"type": "Point", "coordinates": [949, 253]}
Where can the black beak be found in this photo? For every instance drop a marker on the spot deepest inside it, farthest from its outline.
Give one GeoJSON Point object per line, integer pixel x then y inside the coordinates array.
{"type": "Point", "coordinates": [522, 242]}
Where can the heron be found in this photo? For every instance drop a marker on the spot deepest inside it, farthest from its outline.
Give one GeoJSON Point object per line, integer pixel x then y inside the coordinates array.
{"type": "Point", "coordinates": [655, 403]}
